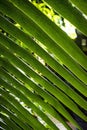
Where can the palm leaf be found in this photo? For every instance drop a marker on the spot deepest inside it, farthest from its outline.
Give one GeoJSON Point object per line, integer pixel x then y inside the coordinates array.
{"type": "Point", "coordinates": [31, 93]}
{"type": "Point", "coordinates": [81, 4]}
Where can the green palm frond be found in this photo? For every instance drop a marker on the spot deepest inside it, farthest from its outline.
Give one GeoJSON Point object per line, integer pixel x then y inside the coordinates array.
{"type": "Point", "coordinates": [32, 92]}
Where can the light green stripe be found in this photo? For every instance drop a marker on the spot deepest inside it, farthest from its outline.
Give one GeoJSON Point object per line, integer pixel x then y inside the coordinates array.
{"type": "Point", "coordinates": [53, 47]}
{"type": "Point", "coordinates": [15, 118]}
{"type": "Point", "coordinates": [12, 108]}
{"type": "Point", "coordinates": [9, 122]}
{"type": "Point", "coordinates": [35, 123]}
{"type": "Point", "coordinates": [56, 92]}
{"type": "Point", "coordinates": [81, 4]}
{"type": "Point", "coordinates": [4, 126]}
{"type": "Point", "coordinates": [53, 31]}
{"type": "Point", "coordinates": [34, 47]}
{"type": "Point", "coordinates": [49, 98]}
{"type": "Point", "coordinates": [71, 13]}
{"type": "Point", "coordinates": [38, 66]}
{"type": "Point", "coordinates": [35, 98]}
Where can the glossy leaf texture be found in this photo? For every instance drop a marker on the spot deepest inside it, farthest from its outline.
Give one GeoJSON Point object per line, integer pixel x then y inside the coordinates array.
{"type": "Point", "coordinates": [32, 92]}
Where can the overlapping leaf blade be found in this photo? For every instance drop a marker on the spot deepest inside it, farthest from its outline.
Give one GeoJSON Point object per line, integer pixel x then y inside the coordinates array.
{"type": "Point", "coordinates": [32, 82]}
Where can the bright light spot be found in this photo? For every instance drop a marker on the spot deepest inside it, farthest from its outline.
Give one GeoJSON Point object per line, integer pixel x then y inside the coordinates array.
{"type": "Point", "coordinates": [69, 29]}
